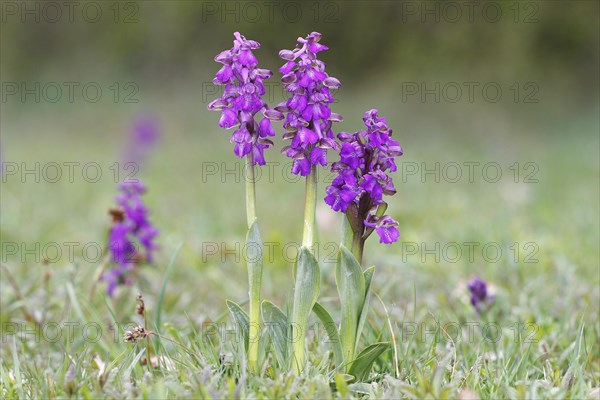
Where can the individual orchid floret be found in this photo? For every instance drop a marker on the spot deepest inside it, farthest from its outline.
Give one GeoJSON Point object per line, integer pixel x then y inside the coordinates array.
{"type": "Point", "coordinates": [365, 158]}
{"type": "Point", "coordinates": [480, 296]}
{"type": "Point", "coordinates": [308, 118]}
{"type": "Point", "coordinates": [242, 99]}
{"type": "Point", "coordinates": [130, 230]}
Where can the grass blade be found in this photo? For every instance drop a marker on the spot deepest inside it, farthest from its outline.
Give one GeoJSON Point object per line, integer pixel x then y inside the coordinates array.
{"type": "Point", "coordinates": [163, 289]}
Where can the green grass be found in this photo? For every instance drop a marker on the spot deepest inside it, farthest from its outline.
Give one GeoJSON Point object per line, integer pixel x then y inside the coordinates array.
{"type": "Point", "coordinates": [555, 356]}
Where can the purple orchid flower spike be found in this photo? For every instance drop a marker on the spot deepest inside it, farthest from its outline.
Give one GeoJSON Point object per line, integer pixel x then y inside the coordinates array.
{"type": "Point", "coordinates": [362, 180]}
{"type": "Point", "coordinates": [130, 228]}
{"type": "Point", "coordinates": [308, 118]}
{"type": "Point", "coordinates": [480, 296]}
{"type": "Point", "coordinates": [242, 99]}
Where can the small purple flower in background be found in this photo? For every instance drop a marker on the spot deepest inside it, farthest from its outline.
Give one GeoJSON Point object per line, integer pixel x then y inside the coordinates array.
{"type": "Point", "coordinates": [130, 228]}
{"type": "Point", "coordinates": [480, 296]}
{"type": "Point", "coordinates": [358, 189]}
{"type": "Point", "coordinates": [242, 98]}
{"type": "Point", "coordinates": [145, 133]}
{"type": "Point", "coordinates": [308, 118]}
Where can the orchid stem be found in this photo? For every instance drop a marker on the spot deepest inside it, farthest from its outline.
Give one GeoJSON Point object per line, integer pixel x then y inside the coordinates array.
{"type": "Point", "coordinates": [310, 207]}
{"type": "Point", "coordinates": [308, 240]}
{"type": "Point", "coordinates": [353, 241]}
{"type": "Point", "coordinates": [254, 271]}
{"type": "Point", "coordinates": [357, 246]}
{"type": "Point", "coordinates": [250, 190]}
{"type": "Point", "coordinates": [347, 234]}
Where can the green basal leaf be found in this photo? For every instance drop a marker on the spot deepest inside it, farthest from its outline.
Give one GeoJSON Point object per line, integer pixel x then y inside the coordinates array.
{"type": "Point", "coordinates": [277, 326]}
{"type": "Point", "coordinates": [341, 384]}
{"type": "Point", "coordinates": [362, 364]}
{"type": "Point", "coordinates": [254, 261]}
{"type": "Point", "coordinates": [240, 318]}
{"type": "Point", "coordinates": [365, 309]}
{"type": "Point", "coordinates": [306, 291]}
{"type": "Point", "coordinates": [332, 333]}
{"type": "Point", "coordinates": [351, 288]}
{"type": "Point", "coordinates": [361, 388]}
{"type": "Point", "coordinates": [264, 344]}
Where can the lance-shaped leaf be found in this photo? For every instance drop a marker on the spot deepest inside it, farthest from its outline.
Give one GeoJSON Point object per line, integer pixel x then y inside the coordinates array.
{"type": "Point", "coordinates": [240, 318]}
{"type": "Point", "coordinates": [362, 364]}
{"type": "Point", "coordinates": [332, 333]}
{"type": "Point", "coordinates": [254, 261]}
{"type": "Point", "coordinates": [276, 322]}
{"type": "Point", "coordinates": [306, 292]}
{"type": "Point", "coordinates": [351, 288]}
{"type": "Point", "coordinates": [365, 308]}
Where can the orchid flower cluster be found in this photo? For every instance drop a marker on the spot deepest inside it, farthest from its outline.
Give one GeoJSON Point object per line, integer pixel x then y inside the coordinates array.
{"type": "Point", "coordinates": [362, 180]}
{"type": "Point", "coordinates": [130, 233]}
{"type": "Point", "coordinates": [481, 299]}
{"type": "Point", "coordinates": [366, 159]}
{"type": "Point", "coordinates": [308, 118]}
{"type": "Point", "coordinates": [242, 99]}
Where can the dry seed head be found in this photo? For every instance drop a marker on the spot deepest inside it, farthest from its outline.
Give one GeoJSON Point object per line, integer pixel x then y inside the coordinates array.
{"type": "Point", "coordinates": [141, 307]}
{"type": "Point", "coordinates": [136, 334]}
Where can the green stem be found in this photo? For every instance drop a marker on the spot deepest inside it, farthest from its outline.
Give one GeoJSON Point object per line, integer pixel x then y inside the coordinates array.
{"type": "Point", "coordinates": [357, 246]}
{"type": "Point", "coordinates": [353, 241]}
{"type": "Point", "coordinates": [250, 190]}
{"type": "Point", "coordinates": [310, 207]}
{"type": "Point", "coordinates": [308, 240]}
{"type": "Point", "coordinates": [254, 270]}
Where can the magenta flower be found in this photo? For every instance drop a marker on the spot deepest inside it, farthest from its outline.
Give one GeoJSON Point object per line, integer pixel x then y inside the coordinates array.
{"type": "Point", "coordinates": [242, 98]}
{"type": "Point", "coordinates": [131, 228]}
{"type": "Point", "coordinates": [308, 118]}
{"type": "Point", "coordinates": [362, 181]}
{"type": "Point", "coordinates": [480, 297]}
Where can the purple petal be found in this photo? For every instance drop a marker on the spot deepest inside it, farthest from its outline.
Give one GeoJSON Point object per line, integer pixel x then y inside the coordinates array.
{"type": "Point", "coordinates": [301, 166]}
{"type": "Point", "coordinates": [246, 57]}
{"type": "Point", "coordinates": [224, 74]}
{"type": "Point", "coordinates": [387, 235]}
{"type": "Point", "coordinates": [287, 67]}
{"type": "Point", "coordinates": [307, 136]}
{"type": "Point", "coordinates": [318, 156]}
{"type": "Point", "coordinates": [332, 83]}
{"type": "Point", "coordinates": [228, 118]}
{"type": "Point", "coordinates": [265, 128]}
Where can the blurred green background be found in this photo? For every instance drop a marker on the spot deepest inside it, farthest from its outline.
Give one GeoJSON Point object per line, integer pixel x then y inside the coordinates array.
{"type": "Point", "coordinates": [543, 55]}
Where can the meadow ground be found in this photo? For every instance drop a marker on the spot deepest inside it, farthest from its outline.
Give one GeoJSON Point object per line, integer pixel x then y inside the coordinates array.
{"type": "Point", "coordinates": [532, 233]}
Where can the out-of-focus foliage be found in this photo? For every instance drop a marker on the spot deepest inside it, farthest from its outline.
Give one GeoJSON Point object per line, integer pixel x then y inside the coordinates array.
{"type": "Point", "coordinates": [172, 39]}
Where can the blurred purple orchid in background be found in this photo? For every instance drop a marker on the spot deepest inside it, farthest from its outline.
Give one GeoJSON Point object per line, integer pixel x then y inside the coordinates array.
{"type": "Point", "coordinates": [130, 228]}
{"type": "Point", "coordinates": [308, 118]}
{"type": "Point", "coordinates": [242, 99]}
{"type": "Point", "coordinates": [358, 189]}
{"type": "Point", "coordinates": [145, 132]}
{"type": "Point", "coordinates": [480, 296]}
